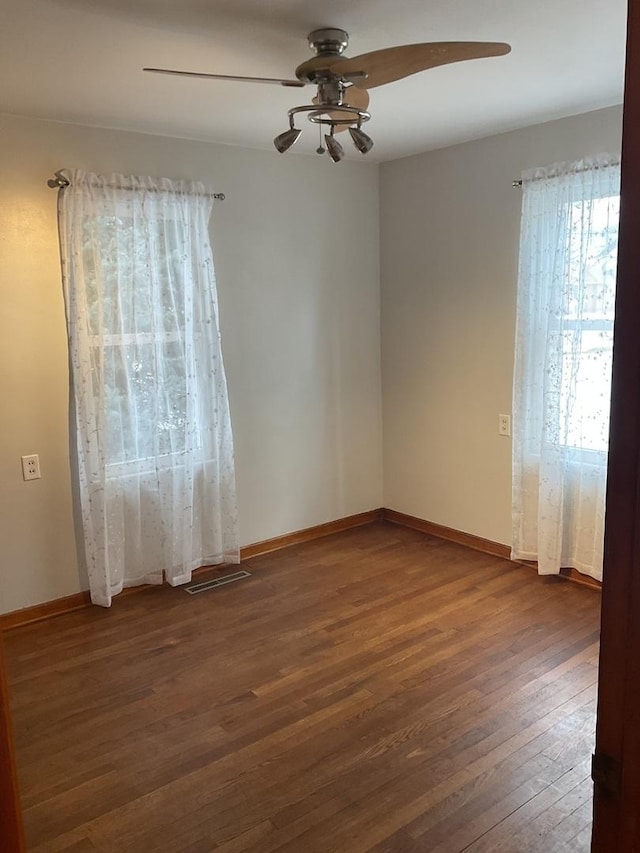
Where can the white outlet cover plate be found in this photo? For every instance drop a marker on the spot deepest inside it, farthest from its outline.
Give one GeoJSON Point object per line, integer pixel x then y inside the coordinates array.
{"type": "Point", "coordinates": [31, 467]}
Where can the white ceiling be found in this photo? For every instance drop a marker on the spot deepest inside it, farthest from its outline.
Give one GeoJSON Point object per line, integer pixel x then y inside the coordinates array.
{"type": "Point", "coordinates": [80, 61]}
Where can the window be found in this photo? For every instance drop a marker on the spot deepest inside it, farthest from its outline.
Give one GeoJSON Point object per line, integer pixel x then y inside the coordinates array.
{"type": "Point", "coordinates": [563, 358]}
{"type": "Point", "coordinates": [587, 322]}
{"type": "Point", "coordinates": [153, 428]}
{"type": "Point", "coordinates": [138, 320]}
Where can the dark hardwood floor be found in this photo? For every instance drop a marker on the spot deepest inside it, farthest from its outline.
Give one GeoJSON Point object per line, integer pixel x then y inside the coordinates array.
{"type": "Point", "coordinates": [375, 690]}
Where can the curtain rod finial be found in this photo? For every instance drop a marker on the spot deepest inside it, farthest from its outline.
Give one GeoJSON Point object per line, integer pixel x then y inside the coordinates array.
{"type": "Point", "coordinates": [58, 182]}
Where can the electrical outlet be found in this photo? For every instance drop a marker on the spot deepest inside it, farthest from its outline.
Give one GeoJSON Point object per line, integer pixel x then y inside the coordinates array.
{"type": "Point", "coordinates": [31, 467]}
{"type": "Point", "coordinates": [504, 425]}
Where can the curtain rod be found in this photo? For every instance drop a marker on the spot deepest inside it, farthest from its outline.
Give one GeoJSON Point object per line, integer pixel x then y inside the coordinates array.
{"type": "Point", "coordinates": [591, 168]}
{"type": "Point", "coordinates": [59, 182]}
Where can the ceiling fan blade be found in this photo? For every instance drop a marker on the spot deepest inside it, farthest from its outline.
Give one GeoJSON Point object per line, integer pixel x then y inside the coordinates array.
{"type": "Point", "coordinates": [354, 97]}
{"type": "Point", "coordinates": [293, 83]}
{"type": "Point", "coordinates": [394, 63]}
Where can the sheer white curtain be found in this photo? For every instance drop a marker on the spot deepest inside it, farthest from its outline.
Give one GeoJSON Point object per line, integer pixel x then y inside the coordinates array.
{"type": "Point", "coordinates": [562, 380]}
{"type": "Point", "coordinates": [154, 443]}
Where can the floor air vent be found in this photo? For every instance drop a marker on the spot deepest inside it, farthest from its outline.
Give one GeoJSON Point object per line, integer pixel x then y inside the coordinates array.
{"type": "Point", "coordinates": [195, 588]}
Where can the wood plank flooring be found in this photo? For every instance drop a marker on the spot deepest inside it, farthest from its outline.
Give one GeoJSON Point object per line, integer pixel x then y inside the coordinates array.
{"type": "Point", "coordinates": [376, 690]}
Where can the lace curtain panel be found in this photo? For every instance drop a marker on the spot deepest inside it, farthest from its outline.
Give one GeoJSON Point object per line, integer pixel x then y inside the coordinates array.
{"type": "Point", "coordinates": [562, 379]}
{"type": "Point", "coordinates": [154, 443]}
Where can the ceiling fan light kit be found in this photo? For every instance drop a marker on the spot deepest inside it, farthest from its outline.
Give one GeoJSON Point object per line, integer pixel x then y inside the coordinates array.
{"type": "Point", "coordinates": [284, 141]}
{"type": "Point", "coordinates": [363, 143]}
{"type": "Point", "coordinates": [337, 105]}
{"type": "Point", "coordinates": [334, 149]}
{"type": "Point", "coordinates": [342, 96]}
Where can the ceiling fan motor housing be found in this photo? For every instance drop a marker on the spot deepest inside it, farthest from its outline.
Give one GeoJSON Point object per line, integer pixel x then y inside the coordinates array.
{"type": "Point", "coordinates": [329, 44]}
{"type": "Point", "coordinates": [329, 40]}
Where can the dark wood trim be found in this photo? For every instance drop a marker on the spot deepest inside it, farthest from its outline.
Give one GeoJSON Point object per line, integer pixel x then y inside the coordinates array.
{"type": "Point", "coordinates": [569, 574]}
{"type": "Point", "coordinates": [44, 611]}
{"type": "Point", "coordinates": [487, 546]}
{"type": "Point", "coordinates": [310, 533]}
{"type": "Point", "coordinates": [616, 825]}
{"type": "Point", "coordinates": [577, 577]}
{"type": "Point", "coordinates": [11, 828]}
{"type": "Point", "coordinates": [79, 600]}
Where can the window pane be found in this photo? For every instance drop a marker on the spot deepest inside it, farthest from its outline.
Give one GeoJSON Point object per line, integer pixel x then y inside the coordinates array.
{"type": "Point", "coordinates": [586, 389]}
{"type": "Point", "coordinates": [146, 403]}
{"type": "Point", "coordinates": [136, 311]}
{"type": "Point", "coordinates": [587, 322]}
{"type": "Point", "coordinates": [124, 292]}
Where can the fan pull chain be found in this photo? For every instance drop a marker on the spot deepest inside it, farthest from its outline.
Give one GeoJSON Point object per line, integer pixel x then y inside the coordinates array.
{"type": "Point", "coordinates": [320, 149]}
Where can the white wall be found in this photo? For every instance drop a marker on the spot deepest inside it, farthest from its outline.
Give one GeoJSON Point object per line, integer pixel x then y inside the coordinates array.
{"type": "Point", "coordinates": [296, 248]}
{"type": "Point", "coordinates": [449, 253]}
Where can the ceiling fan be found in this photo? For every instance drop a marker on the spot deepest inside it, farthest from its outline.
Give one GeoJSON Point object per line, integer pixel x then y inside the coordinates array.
{"type": "Point", "coordinates": [342, 96]}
